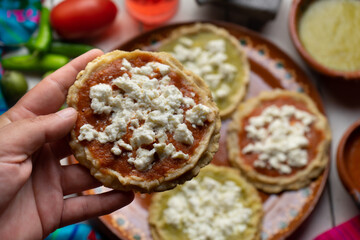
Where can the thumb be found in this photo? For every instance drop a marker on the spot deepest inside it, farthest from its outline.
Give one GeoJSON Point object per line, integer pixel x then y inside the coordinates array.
{"type": "Point", "coordinates": [22, 138]}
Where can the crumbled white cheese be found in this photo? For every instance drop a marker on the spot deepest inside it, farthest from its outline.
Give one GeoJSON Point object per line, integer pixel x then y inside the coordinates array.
{"type": "Point", "coordinates": [216, 46]}
{"type": "Point", "coordinates": [158, 119]}
{"type": "Point", "coordinates": [143, 159]}
{"type": "Point", "coordinates": [180, 155]}
{"type": "Point", "coordinates": [183, 134]}
{"type": "Point", "coordinates": [213, 80]}
{"type": "Point", "coordinates": [147, 106]}
{"type": "Point", "coordinates": [166, 150]}
{"type": "Point", "coordinates": [161, 136]}
{"type": "Point", "coordinates": [134, 123]}
{"type": "Point", "coordinates": [198, 114]}
{"type": "Point", "coordinates": [142, 136]}
{"type": "Point", "coordinates": [186, 41]}
{"type": "Point", "coordinates": [228, 70]}
{"type": "Point", "coordinates": [116, 150]}
{"type": "Point", "coordinates": [223, 91]}
{"type": "Point", "coordinates": [163, 69]}
{"type": "Point", "coordinates": [87, 132]}
{"type": "Point", "coordinates": [209, 62]}
{"type": "Point", "coordinates": [126, 64]}
{"type": "Point", "coordinates": [124, 145]}
{"type": "Point", "coordinates": [196, 209]}
{"type": "Point", "coordinates": [100, 94]}
{"type": "Point", "coordinates": [279, 138]}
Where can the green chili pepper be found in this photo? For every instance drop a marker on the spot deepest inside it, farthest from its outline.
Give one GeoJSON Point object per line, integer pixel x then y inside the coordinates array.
{"type": "Point", "coordinates": [70, 50]}
{"type": "Point", "coordinates": [41, 41]}
{"type": "Point", "coordinates": [52, 62]}
{"type": "Point", "coordinates": [23, 62]}
{"type": "Point", "coordinates": [33, 63]}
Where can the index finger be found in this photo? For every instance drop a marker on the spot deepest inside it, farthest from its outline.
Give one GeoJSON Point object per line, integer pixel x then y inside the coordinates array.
{"type": "Point", "coordinates": [50, 94]}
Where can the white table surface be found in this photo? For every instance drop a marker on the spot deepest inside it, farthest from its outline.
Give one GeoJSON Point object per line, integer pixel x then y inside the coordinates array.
{"type": "Point", "coordinates": [342, 102]}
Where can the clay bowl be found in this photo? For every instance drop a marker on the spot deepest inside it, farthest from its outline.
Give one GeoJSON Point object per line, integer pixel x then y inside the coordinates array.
{"type": "Point", "coordinates": [298, 7]}
{"type": "Point", "coordinates": [348, 161]}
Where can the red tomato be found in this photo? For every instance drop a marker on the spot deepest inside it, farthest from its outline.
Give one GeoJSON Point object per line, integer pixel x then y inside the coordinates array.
{"type": "Point", "coordinates": [79, 19]}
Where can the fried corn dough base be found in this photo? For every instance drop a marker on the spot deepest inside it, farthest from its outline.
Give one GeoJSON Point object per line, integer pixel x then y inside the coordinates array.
{"type": "Point", "coordinates": [277, 184]}
{"type": "Point", "coordinates": [235, 97]}
{"type": "Point", "coordinates": [160, 230]}
{"type": "Point", "coordinates": [113, 179]}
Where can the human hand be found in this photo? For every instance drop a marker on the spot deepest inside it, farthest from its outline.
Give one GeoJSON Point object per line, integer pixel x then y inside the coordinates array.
{"type": "Point", "coordinates": [32, 181]}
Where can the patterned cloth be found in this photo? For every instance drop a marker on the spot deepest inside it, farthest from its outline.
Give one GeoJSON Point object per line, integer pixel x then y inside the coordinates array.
{"type": "Point", "coordinates": [349, 230]}
{"type": "Point", "coordinates": [18, 21]}
{"type": "Point", "coordinates": [74, 232]}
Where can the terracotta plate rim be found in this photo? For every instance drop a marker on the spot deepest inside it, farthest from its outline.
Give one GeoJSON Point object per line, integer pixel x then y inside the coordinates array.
{"type": "Point", "coordinates": [315, 96]}
{"type": "Point", "coordinates": [340, 160]}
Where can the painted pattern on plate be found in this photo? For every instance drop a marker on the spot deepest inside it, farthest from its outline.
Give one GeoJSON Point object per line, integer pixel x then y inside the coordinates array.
{"type": "Point", "coordinates": [270, 69]}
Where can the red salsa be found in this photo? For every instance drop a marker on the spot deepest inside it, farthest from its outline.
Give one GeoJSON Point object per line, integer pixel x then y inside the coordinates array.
{"type": "Point", "coordinates": [102, 152]}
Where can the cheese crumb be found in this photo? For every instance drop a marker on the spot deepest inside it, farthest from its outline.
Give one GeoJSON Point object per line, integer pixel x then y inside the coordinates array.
{"type": "Point", "coordinates": [196, 209]}
{"type": "Point", "coordinates": [142, 136]}
{"type": "Point", "coordinates": [198, 114]}
{"type": "Point", "coordinates": [180, 155]}
{"type": "Point", "coordinates": [124, 145]}
{"type": "Point", "coordinates": [87, 132]}
{"type": "Point", "coordinates": [183, 134]}
{"type": "Point", "coordinates": [116, 150]}
{"type": "Point", "coordinates": [147, 106]}
{"type": "Point", "coordinates": [209, 62]}
{"type": "Point", "coordinates": [279, 135]}
{"type": "Point", "coordinates": [143, 159]}
{"type": "Point", "coordinates": [99, 95]}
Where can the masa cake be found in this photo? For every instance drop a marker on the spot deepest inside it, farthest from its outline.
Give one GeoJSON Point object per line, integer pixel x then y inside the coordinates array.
{"type": "Point", "coordinates": [144, 122]}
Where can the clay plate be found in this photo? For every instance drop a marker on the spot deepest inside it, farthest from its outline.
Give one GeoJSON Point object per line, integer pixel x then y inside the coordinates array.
{"type": "Point", "coordinates": [270, 68]}
{"type": "Point", "coordinates": [298, 7]}
{"type": "Point", "coordinates": [348, 164]}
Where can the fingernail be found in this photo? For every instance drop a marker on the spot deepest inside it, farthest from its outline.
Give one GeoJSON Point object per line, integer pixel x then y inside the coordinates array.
{"type": "Point", "coordinates": [66, 113]}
